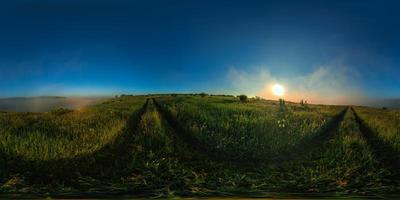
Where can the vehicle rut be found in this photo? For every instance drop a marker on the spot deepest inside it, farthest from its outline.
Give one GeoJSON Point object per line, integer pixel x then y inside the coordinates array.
{"type": "Point", "coordinates": [191, 142]}
{"type": "Point", "coordinates": [310, 145]}
{"type": "Point", "coordinates": [98, 164]}
{"type": "Point", "coordinates": [304, 148]}
{"type": "Point", "coordinates": [383, 151]}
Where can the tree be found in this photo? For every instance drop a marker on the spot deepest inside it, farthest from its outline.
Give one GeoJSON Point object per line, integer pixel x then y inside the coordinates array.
{"type": "Point", "coordinates": [243, 98]}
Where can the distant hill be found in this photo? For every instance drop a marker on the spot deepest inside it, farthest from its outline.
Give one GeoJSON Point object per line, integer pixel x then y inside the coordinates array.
{"type": "Point", "coordinates": [393, 103]}
{"type": "Point", "coordinates": [389, 103]}
{"type": "Point", "coordinates": [46, 103]}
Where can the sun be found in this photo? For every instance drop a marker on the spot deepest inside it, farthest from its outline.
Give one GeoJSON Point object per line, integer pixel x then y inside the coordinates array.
{"type": "Point", "coordinates": [278, 90]}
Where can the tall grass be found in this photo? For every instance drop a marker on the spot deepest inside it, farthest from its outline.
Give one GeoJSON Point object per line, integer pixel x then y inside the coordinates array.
{"type": "Point", "coordinates": [247, 131]}
{"type": "Point", "coordinates": [55, 135]}
{"type": "Point", "coordinates": [348, 162]}
{"type": "Point", "coordinates": [384, 123]}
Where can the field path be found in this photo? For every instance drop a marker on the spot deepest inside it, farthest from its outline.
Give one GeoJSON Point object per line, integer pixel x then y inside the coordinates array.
{"type": "Point", "coordinates": [317, 142]}
{"type": "Point", "coordinates": [106, 162]}
{"type": "Point", "coordinates": [185, 137]}
{"type": "Point", "coordinates": [383, 151]}
{"type": "Point", "coordinates": [301, 150]}
{"type": "Point", "coordinates": [111, 159]}
{"type": "Point", "coordinates": [180, 141]}
{"type": "Point", "coordinates": [197, 147]}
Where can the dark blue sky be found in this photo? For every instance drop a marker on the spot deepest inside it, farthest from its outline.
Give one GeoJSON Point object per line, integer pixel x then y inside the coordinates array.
{"type": "Point", "coordinates": [104, 47]}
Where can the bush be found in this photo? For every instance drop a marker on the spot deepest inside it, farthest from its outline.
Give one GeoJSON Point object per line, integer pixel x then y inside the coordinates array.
{"type": "Point", "coordinates": [282, 105]}
{"type": "Point", "coordinates": [61, 111]}
{"type": "Point", "coordinates": [203, 94]}
{"type": "Point", "coordinates": [243, 98]}
{"type": "Point", "coordinates": [304, 104]}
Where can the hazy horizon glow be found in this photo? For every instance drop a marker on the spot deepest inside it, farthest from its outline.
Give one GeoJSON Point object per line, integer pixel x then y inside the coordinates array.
{"type": "Point", "coordinates": [333, 52]}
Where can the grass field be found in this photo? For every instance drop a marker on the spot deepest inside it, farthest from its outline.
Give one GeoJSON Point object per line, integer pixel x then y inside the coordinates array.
{"type": "Point", "coordinates": [189, 145]}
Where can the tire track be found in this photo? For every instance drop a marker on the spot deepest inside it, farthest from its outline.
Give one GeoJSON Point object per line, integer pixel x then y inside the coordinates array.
{"type": "Point", "coordinates": [298, 152]}
{"type": "Point", "coordinates": [199, 148]}
{"type": "Point", "coordinates": [310, 145]}
{"type": "Point", "coordinates": [383, 151]}
{"type": "Point", "coordinates": [105, 162]}
{"type": "Point", "coordinates": [193, 143]}
{"type": "Point", "coordinates": [179, 144]}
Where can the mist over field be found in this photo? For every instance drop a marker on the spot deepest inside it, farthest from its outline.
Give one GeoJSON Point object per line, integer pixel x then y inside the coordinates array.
{"type": "Point", "coordinates": [330, 84]}
{"type": "Point", "coordinates": [45, 104]}
{"type": "Point", "coordinates": [324, 85]}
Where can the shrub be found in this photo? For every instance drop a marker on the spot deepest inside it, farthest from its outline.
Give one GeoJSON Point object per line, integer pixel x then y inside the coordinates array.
{"type": "Point", "coordinates": [282, 105]}
{"type": "Point", "coordinates": [60, 111]}
{"type": "Point", "coordinates": [203, 94]}
{"type": "Point", "coordinates": [304, 104]}
{"type": "Point", "coordinates": [243, 98]}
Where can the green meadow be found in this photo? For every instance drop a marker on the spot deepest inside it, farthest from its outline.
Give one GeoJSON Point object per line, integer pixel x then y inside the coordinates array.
{"type": "Point", "coordinates": [200, 146]}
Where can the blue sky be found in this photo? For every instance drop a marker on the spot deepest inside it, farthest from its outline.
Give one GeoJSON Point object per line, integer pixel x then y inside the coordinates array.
{"type": "Point", "coordinates": [344, 51]}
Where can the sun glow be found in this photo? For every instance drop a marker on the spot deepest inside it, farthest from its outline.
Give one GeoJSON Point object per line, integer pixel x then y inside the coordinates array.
{"type": "Point", "coordinates": [278, 90]}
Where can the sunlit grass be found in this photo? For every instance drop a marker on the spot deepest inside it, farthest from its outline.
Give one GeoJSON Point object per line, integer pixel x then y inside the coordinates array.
{"type": "Point", "coordinates": [57, 135]}
{"type": "Point", "coordinates": [156, 159]}
{"type": "Point", "coordinates": [251, 130]}
{"type": "Point", "coordinates": [385, 123]}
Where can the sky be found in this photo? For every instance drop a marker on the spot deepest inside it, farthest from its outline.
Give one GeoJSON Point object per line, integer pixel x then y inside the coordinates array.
{"type": "Point", "coordinates": [336, 52]}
